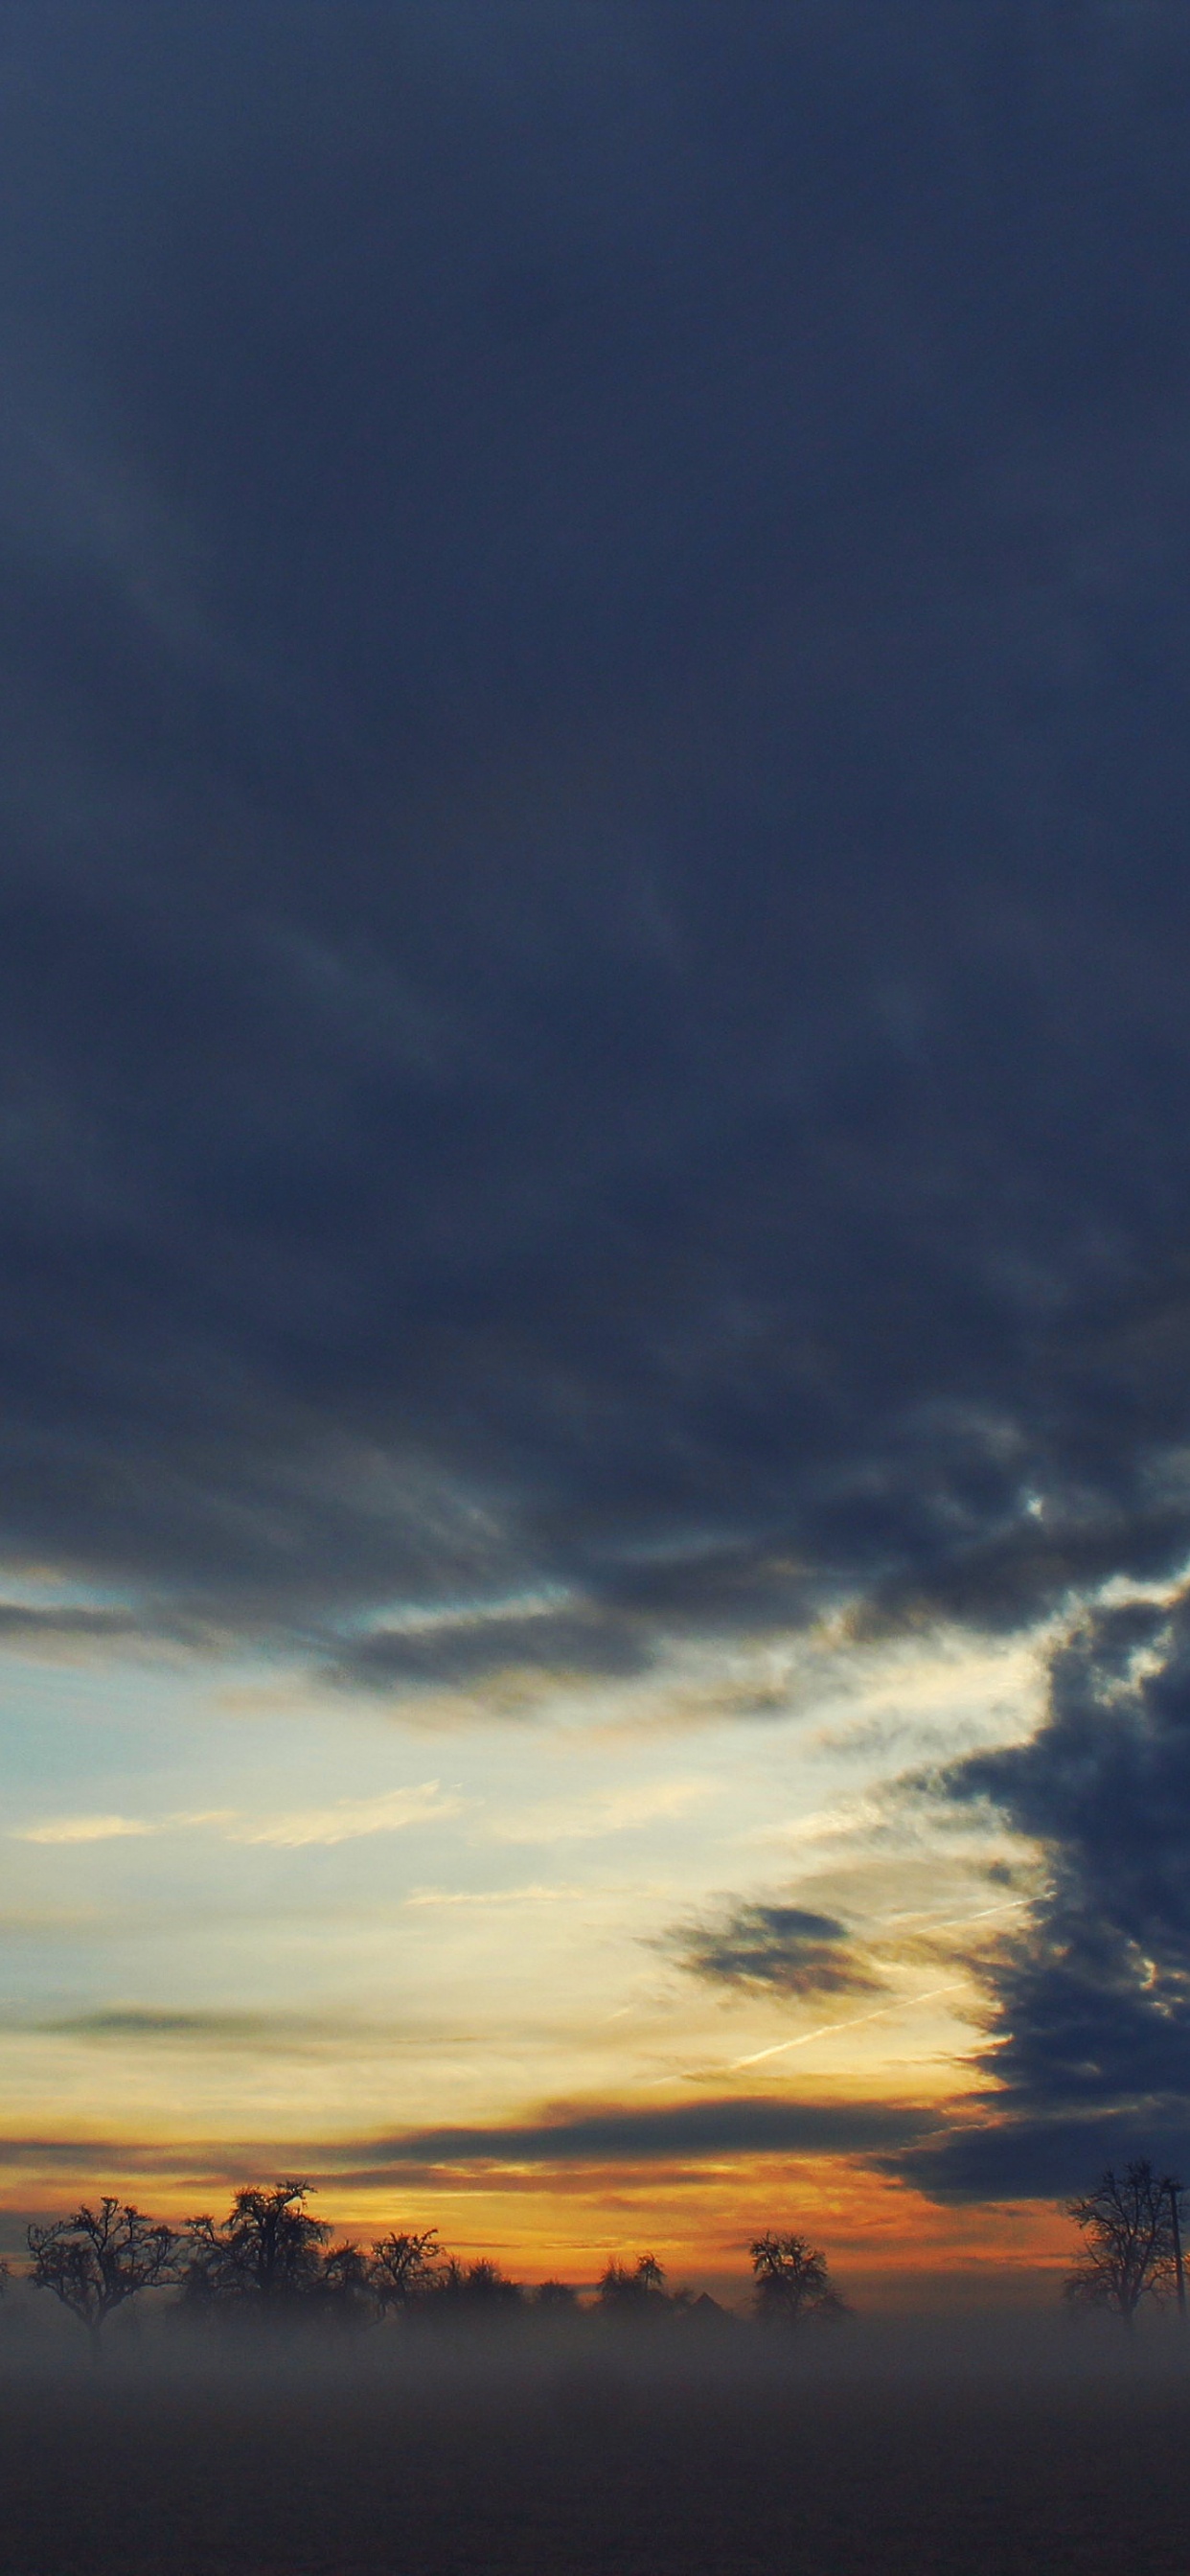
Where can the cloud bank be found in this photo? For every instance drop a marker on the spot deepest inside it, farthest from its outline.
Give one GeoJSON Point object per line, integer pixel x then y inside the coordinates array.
{"type": "Point", "coordinates": [740, 2126]}
{"type": "Point", "coordinates": [1088, 2038]}
{"type": "Point", "coordinates": [593, 922]}
{"type": "Point", "coordinates": [594, 928]}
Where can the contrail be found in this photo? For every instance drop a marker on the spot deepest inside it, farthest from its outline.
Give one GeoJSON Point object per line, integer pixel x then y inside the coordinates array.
{"type": "Point", "coordinates": [852, 2023]}
{"type": "Point", "coordinates": [955, 1922]}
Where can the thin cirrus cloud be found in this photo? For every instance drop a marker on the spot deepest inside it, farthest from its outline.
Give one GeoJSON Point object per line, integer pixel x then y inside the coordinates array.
{"type": "Point", "coordinates": [343, 1820]}
{"type": "Point", "coordinates": [275, 2033]}
{"type": "Point", "coordinates": [622, 1811]}
{"type": "Point", "coordinates": [481, 1898]}
{"type": "Point", "coordinates": [121, 2024]}
{"type": "Point", "coordinates": [85, 1829]}
{"type": "Point", "coordinates": [350, 1818]}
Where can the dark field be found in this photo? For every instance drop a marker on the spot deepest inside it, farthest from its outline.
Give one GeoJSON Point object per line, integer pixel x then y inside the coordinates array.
{"type": "Point", "coordinates": [896, 2463]}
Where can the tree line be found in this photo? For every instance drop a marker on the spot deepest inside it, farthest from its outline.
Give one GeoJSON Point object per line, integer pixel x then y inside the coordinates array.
{"type": "Point", "coordinates": [271, 2259]}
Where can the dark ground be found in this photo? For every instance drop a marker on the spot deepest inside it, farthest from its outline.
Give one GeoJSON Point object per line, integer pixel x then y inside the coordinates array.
{"type": "Point", "coordinates": [577, 2464]}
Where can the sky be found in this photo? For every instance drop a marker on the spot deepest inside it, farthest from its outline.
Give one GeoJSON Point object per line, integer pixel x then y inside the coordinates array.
{"type": "Point", "coordinates": [595, 1125]}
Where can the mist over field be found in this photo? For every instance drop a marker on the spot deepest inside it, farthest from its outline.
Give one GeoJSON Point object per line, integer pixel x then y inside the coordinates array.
{"type": "Point", "coordinates": [978, 2449]}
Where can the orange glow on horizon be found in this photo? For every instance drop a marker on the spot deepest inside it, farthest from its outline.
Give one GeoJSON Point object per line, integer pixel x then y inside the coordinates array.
{"type": "Point", "coordinates": [886, 2243]}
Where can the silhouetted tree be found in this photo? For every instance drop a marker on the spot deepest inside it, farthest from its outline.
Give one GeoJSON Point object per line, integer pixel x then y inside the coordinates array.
{"type": "Point", "coordinates": [1128, 2243]}
{"type": "Point", "coordinates": [792, 2281]}
{"type": "Point", "coordinates": [632, 2293]}
{"type": "Point", "coordinates": [99, 2259]}
{"type": "Point", "coordinates": [344, 2290]}
{"type": "Point", "coordinates": [474, 2290]}
{"type": "Point", "coordinates": [266, 2254]}
{"type": "Point", "coordinates": [555, 2298]}
{"type": "Point", "coordinates": [403, 2267]}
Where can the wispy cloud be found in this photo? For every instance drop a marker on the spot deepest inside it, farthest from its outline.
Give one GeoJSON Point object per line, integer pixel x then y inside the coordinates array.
{"type": "Point", "coordinates": [349, 1818]}
{"type": "Point", "coordinates": [618, 1812]}
{"type": "Point", "coordinates": [474, 1647]}
{"type": "Point", "coordinates": [485, 1896]}
{"type": "Point", "coordinates": [121, 2023]}
{"type": "Point", "coordinates": [344, 1820]}
{"type": "Point", "coordinates": [84, 1829]}
{"type": "Point", "coordinates": [262, 2032]}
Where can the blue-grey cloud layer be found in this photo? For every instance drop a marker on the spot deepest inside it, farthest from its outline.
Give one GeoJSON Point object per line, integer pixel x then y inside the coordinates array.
{"type": "Point", "coordinates": [594, 925]}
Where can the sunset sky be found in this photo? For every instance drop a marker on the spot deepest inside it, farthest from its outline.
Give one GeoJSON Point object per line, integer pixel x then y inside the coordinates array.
{"type": "Point", "coordinates": [595, 1132]}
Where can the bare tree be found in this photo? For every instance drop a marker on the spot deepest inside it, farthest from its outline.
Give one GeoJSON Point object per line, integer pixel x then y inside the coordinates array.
{"type": "Point", "coordinates": [1129, 2243]}
{"type": "Point", "coordinates": [266, 2254]}
{"type": "Point", "coordinates": [99, 2259]}
{"type": "Point", "coordinates": [792, 2281]}
{"type": "Point", "coordinates": [403, 2267]}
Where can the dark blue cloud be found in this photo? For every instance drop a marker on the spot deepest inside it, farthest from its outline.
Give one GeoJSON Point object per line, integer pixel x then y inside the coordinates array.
{"type": "Point", "coordinates": [747, 2126]}
{"type": "Point", "coordinates": [779, 1947]}
{"type": "Point", "coordinates": [677, 2133]}
{"type": "Point", "coordinates": [1088, 2040]}
{"type": "Point", "coordinates": [593, 931]}
{"type": "Point", "coordinates": [1049, 2158]}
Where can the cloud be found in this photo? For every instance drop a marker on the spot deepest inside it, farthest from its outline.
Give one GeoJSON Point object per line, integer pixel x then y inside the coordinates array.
{"type": "Point", "coordinates": [82, 1633]}
{"type": "Point", "coordinates": [223, 2029]}
{"type": "Point", "coordinates": [1043, 2159]}
{"type": "Point", "coordinates": [533, 1894]}
{"type": "Point", "coordinates": [1091, 2002]}
{"type": "Point", "coordinates": [607, 2135]}
{"type": "Point", "coordinates": [607, 1020]}
{"type": "Point", "coordinates": [593, 928]}
{"type": "Point", "coordinates": [88, 2155]}
{"type": "Point", "coordinates": [581, 1642]}
{"type": "Point", "coordinates": [258, 2033]}
{"type": "Point", "coordinates": [83, 1829]}
{"type": "Point", "coordinates": [342, 1820]}
{"type": "Point", "coordinates": [1086, 2052]}
{"type": "Point", "coordinates": [616, 1811]}
{"type": "Point", "coordinates": [349, 1818]}
{"type": "Point", "coordinates": [22, 1622]}
{"type": "Point", "coordinates": [776, 1947]}
{"type": "Point", "coordinates": [740, 2127]}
